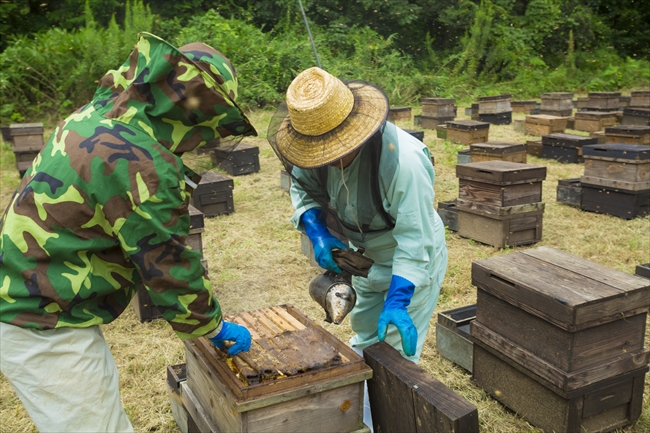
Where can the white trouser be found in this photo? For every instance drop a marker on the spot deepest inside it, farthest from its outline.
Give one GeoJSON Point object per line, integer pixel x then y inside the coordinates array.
{"type": "Point", "coordinates": [66, 378]}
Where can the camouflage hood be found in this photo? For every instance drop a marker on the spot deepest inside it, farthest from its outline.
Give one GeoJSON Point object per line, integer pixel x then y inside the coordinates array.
{"type": "Point", "coordinates": [182, 97]}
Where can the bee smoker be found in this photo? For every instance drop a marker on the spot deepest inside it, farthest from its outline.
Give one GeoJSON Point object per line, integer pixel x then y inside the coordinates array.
{"type": "Point", "coordinates": [334, 292]}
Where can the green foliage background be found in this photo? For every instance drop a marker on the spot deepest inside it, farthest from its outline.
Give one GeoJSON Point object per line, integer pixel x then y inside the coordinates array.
{"type": "Point", "coordinates": [411, 49]}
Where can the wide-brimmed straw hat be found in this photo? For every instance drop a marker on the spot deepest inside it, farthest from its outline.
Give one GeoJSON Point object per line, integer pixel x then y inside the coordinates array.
{"type": "Point", "coordinates": [327, 119]}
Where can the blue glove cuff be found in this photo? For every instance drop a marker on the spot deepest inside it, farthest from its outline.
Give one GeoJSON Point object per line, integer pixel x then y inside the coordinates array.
{"type": "Point", "coordinates": [399, 294]}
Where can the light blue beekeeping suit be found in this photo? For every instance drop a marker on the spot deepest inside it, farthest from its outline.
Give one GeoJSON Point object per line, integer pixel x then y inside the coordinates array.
{"type": "Point", "coordinates": [414, 249]}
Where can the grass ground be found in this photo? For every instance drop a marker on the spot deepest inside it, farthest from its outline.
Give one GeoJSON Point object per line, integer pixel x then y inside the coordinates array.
{"type": "Point", "coordinates": [255, 261]}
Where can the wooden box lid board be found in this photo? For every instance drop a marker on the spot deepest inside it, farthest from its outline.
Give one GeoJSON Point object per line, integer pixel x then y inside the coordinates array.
{"type": "Point", "coordinates": [25, 128]}
{"type": "Point", "coordinates": [467, 125]}
{"type": "Point", "coordinates": [631, 130]}
{"type": "Point", "coordinates": [501, 172]}
{"type": "Point", "coordinates": [437, 101]}
{"type": "Point", "coordinates": [594, 115]}
{"type": "Point", "coordinates": [284, 340]}
{"type": "Point", "coordinates": [568, 291]}
{"type": "Point", "coordinates": [611, 151]}
{"type": "Point", "coordinates": [490, 209]}
{"type": "Point", "coordinates": [635, 111]}
{"type": "Point", "coordinates": [533, 103]}
{"type": "Point", "coordinates": [545, 119]}
{"type": "Point", "coordinates": [556, 95]}
{"type": "Point", "coordinates": [568, 140]}
{"type": "Point", "coordinates": [604, 94]}
{"type": "Point", "coordinates": [399, 109]}
{"type": "Point", "coordinates": [494, 98]}
{"type": "Point", "coordinates": [497, 148]}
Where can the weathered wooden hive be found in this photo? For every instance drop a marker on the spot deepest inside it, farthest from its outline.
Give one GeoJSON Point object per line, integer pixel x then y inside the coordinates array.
{"type": "Point", "coordinates": [467, 131]}
{"type": "Point", "coordinates": [448, 214]}
{"type": "Point", "coordinates": [636, 116]}
{"type": "Point", "coordinates": [559, 339]}
{"type": "Point", "coordinates": [296, 377]}
{"type": "Point", "coordinates": [500, 203]}
{"type": "Point", "coordinates": [604, 101]}
{"type": "Point", "coordinates": [629, 134]}
{"type": "Point", "coordinates": [565, 148]}
{"type": "Point", "coordinates": [544, 124]}
{"type": "Point", "coordinates": [497, 150]}
{"type": "Point", "coordinates": [396, 114]}
{"type": "Point", "coordinates": [214, 194]}
{"type": "Point", "coordinates": [589, 121]}
{"type": "Point", "coordinates": [523, 106]}
{"type": "Point", "coordinates": [496, 110]}
{"type": "Point", "coordinates": [616, 180]}
{"type": "Point", "coordinates": [640, 99]}
{"type": "Point", "coordinates": [569, 191]}
{"type": "Point", "coordinates": [26, 140]}
{"type": "Point", "coordinates": [556, 104]}
{"type": "Point", "coordinates": [243, 159]}
{"type": "Point", "coordinates": [453, 340]}
{"type": "Point", "coordinates": [437, 111]}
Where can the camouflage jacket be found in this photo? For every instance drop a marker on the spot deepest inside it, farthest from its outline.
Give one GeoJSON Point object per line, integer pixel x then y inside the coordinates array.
{"type": "Point", "coordinates": [104, 206]}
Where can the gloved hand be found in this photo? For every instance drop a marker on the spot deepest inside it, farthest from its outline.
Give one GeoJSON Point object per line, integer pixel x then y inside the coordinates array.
{"type": "Point", "coordinates": [399, 297]}
{"type": "Point", "coordinates": [233, 332]}
{"type": "Point", "coordinates": [321, 239]}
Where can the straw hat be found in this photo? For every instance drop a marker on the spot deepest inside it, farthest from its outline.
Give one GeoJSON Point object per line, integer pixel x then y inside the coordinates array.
{"type": "Point", "coordinates": [327, 118]}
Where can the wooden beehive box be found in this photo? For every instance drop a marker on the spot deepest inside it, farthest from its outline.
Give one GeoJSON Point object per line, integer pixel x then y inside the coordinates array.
{"type": "Point", "coordinates": [396, 114]}
{"type": "Point", "coordinates": [214, 194]}
{"type": "Point", "coordinates": [623, 203]}
{"type": "Point", "coordinates": [569, 191]}
{"type": "Point", "coordinates": [589, 121]}
{"type": "Point", "coordinates": [494, 104]}
{"type": "Point", "coordinates": [523, 106]}
{"type": "Point", "coordinates": [517, 226]}
{"type": "Point", "coordinates": [625, 101]}
{"type": "Point", "coordinates": [636, 116]}
{"type": "Point", "coordinates": [582, 103]}
{"type": "Point", "coordinates": [642, 270]}
{"type": "Point", "coordinates": [195, 237]}
{"type": "Point", "coordinates": [467, 131]}
{"type": "Point", "coordinates": [496, 119]}
{"type": "Point", "coordinates": [296, 377]}
{"type": "Point", "coordinates": [499, 184]}
{"type": "Point", "coordinates": [474, 112]}
{"type": "Point", "coordinates": [464, 156]}
{"type": "Point", "coordinates": [556, 101]}
{"type": "Point", "coordinates": [616, 165]}
{"type": "Point", "coordinates": [440, 108]}
{"type": "Point", "coordinates": [496, 150]}
{"type": "Point", "coordinates": [630, 134]}
{"type": "Point", "coordinates": [26, 137]}
{"type": "Point", "coordinates": [640, 99]}
{"type": "Point", "coordinates": [574, 327]}
{"type": "Point", "coordinates": [243, 159]}
{"type": "Point", "coordinates": [604, 100]}
{"type": "Point", "coordinates": [452, 335]}
{"type": "Point", "coordinates": [534, 148]}
{"type": "Point", "coordinates": [565, 148]}
{"type": "Point", "coordinates": [543, 124]}
{"type": "Point", "coordinates": [448, 214]}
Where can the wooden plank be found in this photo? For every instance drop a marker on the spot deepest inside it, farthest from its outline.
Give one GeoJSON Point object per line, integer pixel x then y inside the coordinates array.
{"type": "Point", "coordinates": [200, 421]}
{"type": "Point", "coordinates": [501, 172]}
{"type": "Point", "coordinates": [623, 186]}
{"type": "Point", "coordinates": [486, 208]}
{"type": "Point", "coordinates": [499, 195]}
{"type": "Point", "coordinates": [403, 397]}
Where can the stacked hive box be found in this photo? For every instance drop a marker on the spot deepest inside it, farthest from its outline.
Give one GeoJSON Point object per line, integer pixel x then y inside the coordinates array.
{"type": "Point", "coordinates": [27, 141]}
{"type": "Point", "coordinates": [500, 202]}
{"type": "Point", "coordinates": [625, 101]}
{"type": "Point", "coordinates": [467, 131]}
{"type": "Point", "coordinates": [565, 147]}
{"type": "Point", "coordinates": [544, 124]}
{"type": "Point", "coordinates": [398, 114]}
{"type": "Point", "coordinates": [437, 111]}
{"type": "Point", "coordinates": [495, 109]}
{"type": "Point", "coordinates": [513, 152]}
{"type": "Point", "coordinates": [464, 156]}
{"type": "Point", "coordinates": [452, 335]}
{"type": "Point", "coordinates": [558, 104]}
{"type": "Point", "coordinates": [534, 148]}
{"type": "Point", "coordinates": [448, 214]}
{"type": "Point", "coordinates": [559, 339]}
{"type": "Point", "coordinates": [603, 101]}
{"type": "Point", "coordinates": [243, 159]}
{"type": "Point", "coordinates": [640, 99]}
{"type": "Point", "coordinates": [474, 112]}
{"type": "Point", "coordinates": [616, 180]}
{"type": "Point", "coordinates": [296, 377]}
{"type": "Point", "coordinates": [213, 195]}
{"type": "Point", "coordinates": [636, 116]}
{"type": "Point", "coordinates": [631, 134]}
{"type": "Point", "coordinates": [144, 308]}
{"type": "Point", "coordinates": [590, 121]}
{"type": "Point", "coordinates": [526, 107]}
{"type": "Point", "coordinates": [581, 103]}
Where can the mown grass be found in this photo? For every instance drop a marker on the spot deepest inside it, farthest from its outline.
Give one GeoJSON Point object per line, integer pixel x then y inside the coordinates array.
{"type": "Point", "coordinates": [255, 261]}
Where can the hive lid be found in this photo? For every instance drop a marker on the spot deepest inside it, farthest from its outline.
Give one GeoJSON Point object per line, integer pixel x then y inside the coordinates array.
{"type": "Point", "coordinates": [500, 172]}
{"type": "Point", "coordinates": [437, 101]}
{"type": "Point", "coordinates": [399, 109]}
{"type": "Point", "coordinates": [524, 102]}
{"type": "Point", "coordinates": [568, 291]}
{"type": "Point", "coordinates": [594, 114]}
{"type": "Point", "coordinates": [494, 98]}
{"type": "Point", "coordinates": [568, 140]}
{"type": "Point", "coordinates": [556, 95]}
{"type": "Point", "coordinates": [497, 147]}
{"type": "Point", "coordinates": [633, 130]}
{"type": "Point", "coordinates": [634, 152]}
{"type": "Point", "coordinates": [25, 128]}
{"type": "Point", "coordinates": [636, 111]}
{"type": "Point", "coordinates": [467, 125]}
{"type": "Point", "coordinates": [604, 94]}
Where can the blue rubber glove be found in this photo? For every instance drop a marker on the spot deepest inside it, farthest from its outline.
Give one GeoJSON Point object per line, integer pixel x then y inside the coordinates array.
{"type": "Point", "coordinates": [321, 239]}
{"type": "Point", "coordinates": [399, 297]}
{"type": "Point", "coordinates": [233, 332]}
